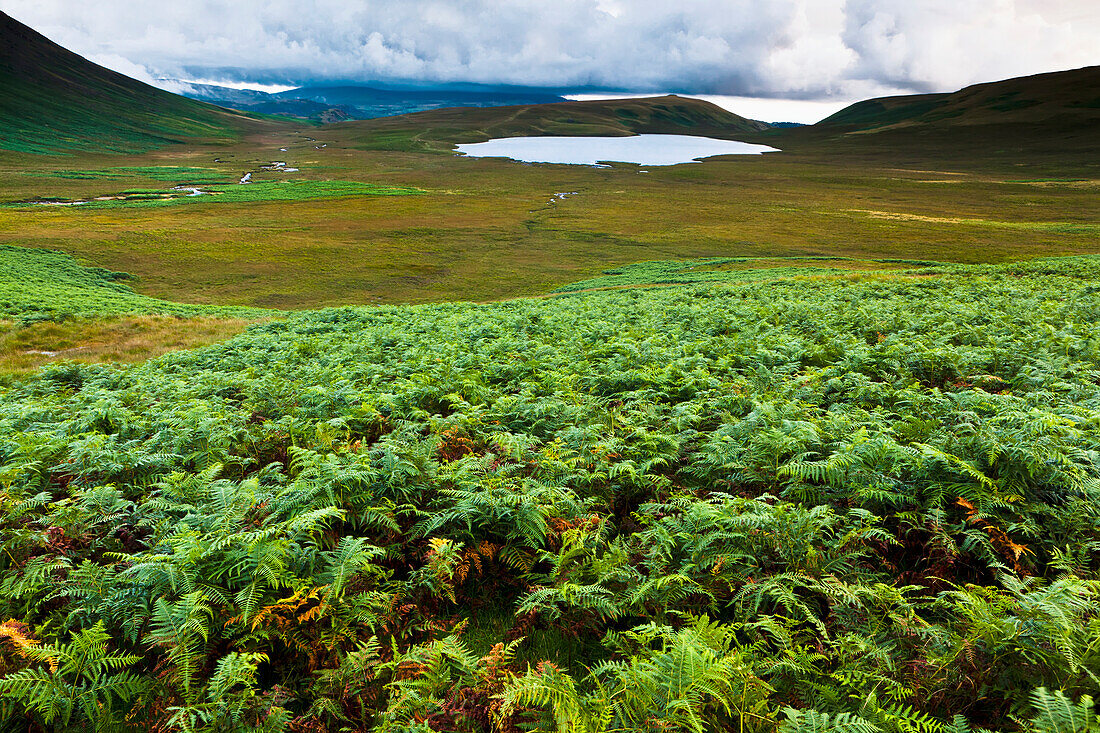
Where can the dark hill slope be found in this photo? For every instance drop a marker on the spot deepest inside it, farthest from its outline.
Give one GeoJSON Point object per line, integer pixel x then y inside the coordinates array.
{"type": "Point", "coordinates": [1053, 118]}
{"type": "Point", "coordinates": [443, 128]}
{"type": "Point", "coordinates": [55, 100]}
{"type": "Point", "coordinates": [1059, 100]}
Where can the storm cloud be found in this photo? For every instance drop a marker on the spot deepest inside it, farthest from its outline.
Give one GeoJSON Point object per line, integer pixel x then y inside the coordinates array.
{"type": "Point", "coordinates": [806, 49]}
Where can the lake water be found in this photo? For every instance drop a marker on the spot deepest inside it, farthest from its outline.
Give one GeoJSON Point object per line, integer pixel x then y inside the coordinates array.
{"type": "Point", "coordinates": [640, 149]}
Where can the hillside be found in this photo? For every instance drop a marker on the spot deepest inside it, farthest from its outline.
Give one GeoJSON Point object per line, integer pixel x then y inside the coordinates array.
{"type": "Point", "coordinates": [1044, 116]}
{"type": "Point", "coordinates": [1061, 100]}
{"type": "Point", "coordinates": [445, 127]}
{"type": "Point", "coordinates": [55, 100]}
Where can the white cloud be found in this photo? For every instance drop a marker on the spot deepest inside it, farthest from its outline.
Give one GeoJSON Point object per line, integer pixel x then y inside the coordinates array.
{"type": "Point", "coordinates": [946, 44]}
{"type": "Point", "coordinates": [180, 86]}
{"type": "Point", "coordinates": [125, 66]}
{"type": "Point", "coordinates": [809, 49]}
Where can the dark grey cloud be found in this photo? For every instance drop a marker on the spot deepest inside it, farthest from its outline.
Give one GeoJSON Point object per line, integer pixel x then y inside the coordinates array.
{"type": "Point", "coordinates": [784, 48]}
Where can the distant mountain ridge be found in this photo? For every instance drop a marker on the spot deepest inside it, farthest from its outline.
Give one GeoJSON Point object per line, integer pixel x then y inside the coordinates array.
{"type": "Point", "coordinates": [375, 101]}
{"type": "Point", "coordinates": [359, 102]}
{"type": "Point", "coordinates": [55, 100]}
{"type": "Point", "coordinates": [213, 93]}
{"type": "Point", "coordinates": [254, 101]}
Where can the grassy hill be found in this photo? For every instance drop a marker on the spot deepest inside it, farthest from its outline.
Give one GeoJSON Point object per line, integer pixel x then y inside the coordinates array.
{"type": "Point", "coordinates": [443, 128]}
{"type": "Point", "coordinates": [1041, 116]}
{"type": "Point", "coordinates": [55, 100]}
{"type": "Point", "coordinates": [1062, 100]}
{"type": "Point", "coordinates": [40, 284]}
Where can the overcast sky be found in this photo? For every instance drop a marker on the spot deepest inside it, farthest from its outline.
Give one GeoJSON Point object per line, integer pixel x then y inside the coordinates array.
{"type": "Point", "coordinates": [823, 51]}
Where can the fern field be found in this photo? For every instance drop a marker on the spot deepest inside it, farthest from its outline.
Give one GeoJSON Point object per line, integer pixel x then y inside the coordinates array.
{"type": "Point", "coordinates": [831, 504]}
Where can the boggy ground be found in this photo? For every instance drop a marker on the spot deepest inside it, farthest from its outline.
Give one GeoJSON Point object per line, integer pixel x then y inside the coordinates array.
{"type": "Point", "coordinates": [120, 339]}
{"type": "Point", "coordinates": [489, 229]}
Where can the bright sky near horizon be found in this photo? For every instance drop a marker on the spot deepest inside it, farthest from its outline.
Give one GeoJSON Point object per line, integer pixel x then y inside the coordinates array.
{"type": "Point", "coordinates": [808, 57]}
{"type": "Point", "coordinates": [769, 109]}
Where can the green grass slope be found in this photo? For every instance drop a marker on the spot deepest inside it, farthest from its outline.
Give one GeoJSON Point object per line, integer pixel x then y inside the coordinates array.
{"type": "Point", "coordinates": [40, 284]}
{"type": "Point", "coordinates": [860, 504]}
{"type": "Point", "coordinates": [229, 193]}
{"type": "Point", "coordinates": [444, 127]}
{"type": "Point", "coordinates": [1060, 100]}
{"type": "Point", "coordinates": [1051, 118]}
{"type": "Point", "coordinates": [54, 100]}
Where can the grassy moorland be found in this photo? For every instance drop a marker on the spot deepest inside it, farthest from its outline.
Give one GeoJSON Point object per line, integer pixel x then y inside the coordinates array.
{"type": "Point", "coordinates": [487, 229]}
{"type": "Point", "coordinates": [227, 193]}
{"type": "Point", "coordinates": [117, 339]}
{"type": "Point", "coordinates": [957, 184]}
{"type": "Point", "coordinates": [854, 502]}
{"type": "Point", "coordinates": [42, 285]}
{"type": "Point", "coordinates": [53, 308]}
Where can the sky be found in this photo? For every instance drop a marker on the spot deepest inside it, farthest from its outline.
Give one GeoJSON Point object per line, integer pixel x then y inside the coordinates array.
{"type": "Point", "coordinates": [804, 58]}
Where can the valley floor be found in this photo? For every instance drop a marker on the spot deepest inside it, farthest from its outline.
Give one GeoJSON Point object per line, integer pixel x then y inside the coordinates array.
{"type": "Point", "coordinates": [489, 229]}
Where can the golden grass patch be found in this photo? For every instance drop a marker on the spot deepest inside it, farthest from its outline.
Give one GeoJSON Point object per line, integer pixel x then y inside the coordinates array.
{"type": "Point", "coordinates": [124, 339]}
